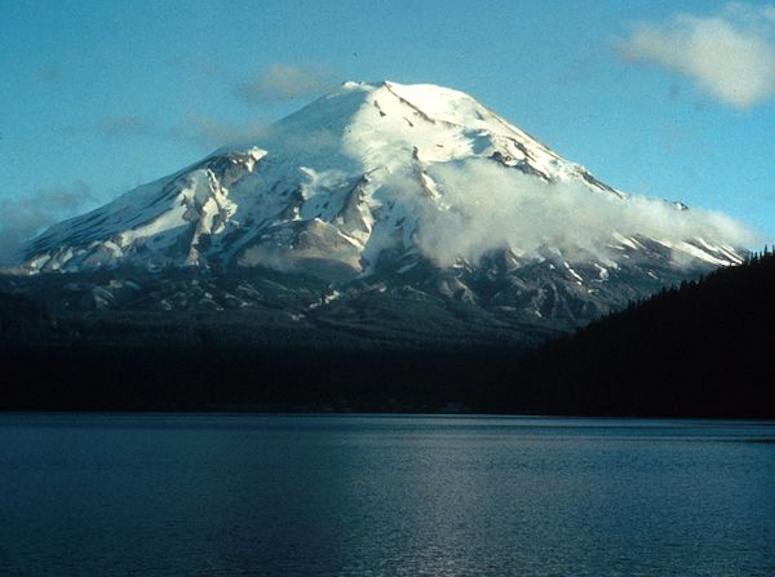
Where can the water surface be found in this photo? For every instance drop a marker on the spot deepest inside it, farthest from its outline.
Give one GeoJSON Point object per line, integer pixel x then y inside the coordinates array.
{"type": "Point", "coordinates": [231, 495]}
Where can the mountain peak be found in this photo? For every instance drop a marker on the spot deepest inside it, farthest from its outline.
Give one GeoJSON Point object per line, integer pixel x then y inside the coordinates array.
{"type": "Point", "coordinates": [434, 101]}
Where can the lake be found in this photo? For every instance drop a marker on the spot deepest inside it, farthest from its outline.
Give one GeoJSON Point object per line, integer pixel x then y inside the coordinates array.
{"type": "Point", "coordinates": [319, 495]}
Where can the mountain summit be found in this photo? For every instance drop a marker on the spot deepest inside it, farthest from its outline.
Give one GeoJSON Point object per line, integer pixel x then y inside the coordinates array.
{"type": "Point", "coordinates": [402, 187]}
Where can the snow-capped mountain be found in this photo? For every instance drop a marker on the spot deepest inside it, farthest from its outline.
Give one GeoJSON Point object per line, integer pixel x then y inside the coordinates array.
{"type": "Point", "coordinates": [400, 187]}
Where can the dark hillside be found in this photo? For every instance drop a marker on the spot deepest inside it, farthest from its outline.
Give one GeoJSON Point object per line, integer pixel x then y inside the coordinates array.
{"type": "Point", "coordinates": [704, 348]}
{"type": "Point", "coordinates": [701, 349]}
{"type": "Point", "coordinates": [21, 319]}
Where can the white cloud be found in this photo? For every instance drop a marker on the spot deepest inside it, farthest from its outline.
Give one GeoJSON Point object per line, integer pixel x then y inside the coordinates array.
{"type": "Point", "coordinates": [285, 82]}
{"type": "Point", "coordinates": [488, 207]}
{"type": "Point", "coordinates": [730, 55]}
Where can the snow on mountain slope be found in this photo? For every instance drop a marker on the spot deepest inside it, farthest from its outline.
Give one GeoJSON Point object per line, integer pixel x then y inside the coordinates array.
{"type": "Point", "coordinates": [378, 179]}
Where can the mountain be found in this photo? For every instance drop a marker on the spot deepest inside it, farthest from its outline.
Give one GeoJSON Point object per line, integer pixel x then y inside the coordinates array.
{"type": "Point", "coordinates": [380, 197]}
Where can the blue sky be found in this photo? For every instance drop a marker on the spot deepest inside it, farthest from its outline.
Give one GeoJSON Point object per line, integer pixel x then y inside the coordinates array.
{"type": "Point", "coordinates": [669, 99]}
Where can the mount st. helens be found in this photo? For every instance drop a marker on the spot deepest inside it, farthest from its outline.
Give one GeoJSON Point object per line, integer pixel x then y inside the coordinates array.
{"type": "Point", "coordinates": [373, 195]}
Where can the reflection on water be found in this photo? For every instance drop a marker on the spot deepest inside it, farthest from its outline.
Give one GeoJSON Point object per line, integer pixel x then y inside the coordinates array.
{"type": "Point", "coordinates": [211, 495]}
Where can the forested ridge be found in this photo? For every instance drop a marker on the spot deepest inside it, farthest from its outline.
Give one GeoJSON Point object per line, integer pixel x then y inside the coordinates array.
{"type": "Point", "coordinates": [700, 349]}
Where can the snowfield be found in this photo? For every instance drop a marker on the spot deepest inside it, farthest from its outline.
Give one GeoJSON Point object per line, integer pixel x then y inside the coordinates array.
{"type": "Point", "coordinates": [379, 177]}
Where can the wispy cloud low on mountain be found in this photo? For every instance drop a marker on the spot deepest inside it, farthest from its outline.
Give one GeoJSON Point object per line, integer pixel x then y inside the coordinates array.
{"type": "Point", "coordinates": [26, 216]}
{"type": "Point", "coordinates": [729, 55]}
{"type": "Point", "coordinates": [490, 207]}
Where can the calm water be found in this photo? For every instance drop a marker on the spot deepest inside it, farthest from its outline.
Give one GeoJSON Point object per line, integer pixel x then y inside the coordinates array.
{"type": "Point", "coordinates": [371, 495]}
